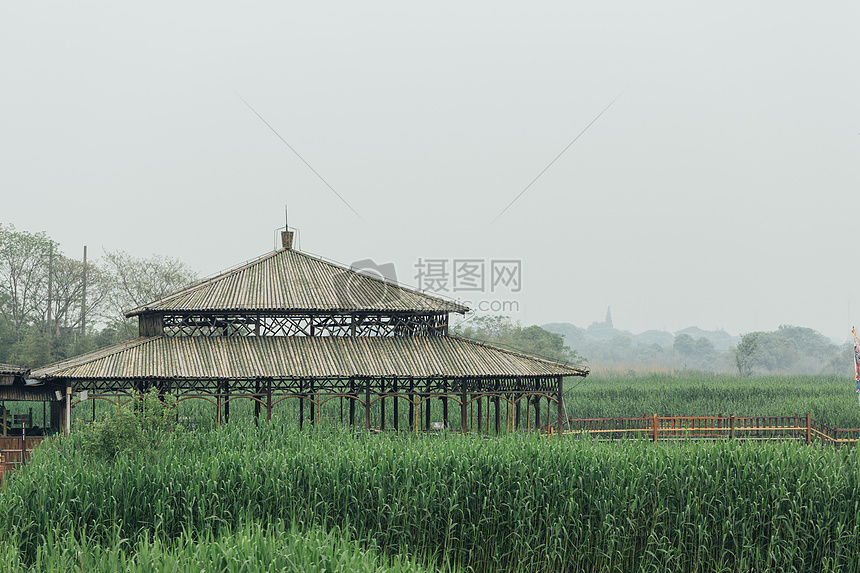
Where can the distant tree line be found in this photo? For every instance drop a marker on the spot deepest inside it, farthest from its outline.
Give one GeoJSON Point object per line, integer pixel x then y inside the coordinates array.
{"type": "Point", "coordinates": [786, 350]}
{"type": "Point", "coordinates": [54, 307]}
{"type": "Point", "coordinates": [501, 331]}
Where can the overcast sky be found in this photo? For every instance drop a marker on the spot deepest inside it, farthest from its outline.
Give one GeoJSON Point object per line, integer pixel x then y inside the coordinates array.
{"type": "Point", "coordinates": [721, 189]}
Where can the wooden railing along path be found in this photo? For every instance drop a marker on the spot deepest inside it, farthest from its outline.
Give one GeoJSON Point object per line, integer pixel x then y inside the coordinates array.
{"type": "Point", "coordinates": [719, 427]}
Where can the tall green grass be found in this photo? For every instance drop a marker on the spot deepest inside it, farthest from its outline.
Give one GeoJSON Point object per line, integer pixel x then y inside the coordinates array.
{"type": "Point", "coordinates": [515, 503]}
{"type": "Point", "coordinates": [831, 400]}
{"type": "Point", "coordinates": [251, 549]}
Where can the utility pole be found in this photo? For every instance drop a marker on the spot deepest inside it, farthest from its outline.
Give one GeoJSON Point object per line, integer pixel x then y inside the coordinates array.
{"type": "Point", "coordinates": [84, 296]}
{"type": "Point", "coordinates": [50, 293]}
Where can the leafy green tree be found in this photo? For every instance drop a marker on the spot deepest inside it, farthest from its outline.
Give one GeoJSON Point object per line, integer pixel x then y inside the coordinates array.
{"type": "Point", "coordinates": [745, 353]}
{"type": "Point", "coordinates": [531, 339]}
{"type": "Point", "coordinates": [685, 345]}
{"type": "Point", "coordinates": [32, 350]}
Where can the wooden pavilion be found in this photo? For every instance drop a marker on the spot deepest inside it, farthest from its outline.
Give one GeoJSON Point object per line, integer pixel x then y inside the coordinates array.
{"type": "Point", "coordinates": [289, 325]}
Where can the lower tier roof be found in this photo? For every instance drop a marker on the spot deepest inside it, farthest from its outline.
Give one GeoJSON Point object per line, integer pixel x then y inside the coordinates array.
{"type": "Point", "coordinates": [234, 358]}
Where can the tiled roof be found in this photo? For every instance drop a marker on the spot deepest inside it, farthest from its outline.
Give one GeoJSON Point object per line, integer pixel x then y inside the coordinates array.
{"type": "Point", "coordinates": [13, 370]}
{"type": "Point", "coordinates": [288, 280]}
{"type": "Point", "coordinates": [201, 357]}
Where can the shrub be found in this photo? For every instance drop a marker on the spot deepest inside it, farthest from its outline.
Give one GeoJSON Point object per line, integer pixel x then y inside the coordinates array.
{"type": "Point", "coordinates": [135, 430]}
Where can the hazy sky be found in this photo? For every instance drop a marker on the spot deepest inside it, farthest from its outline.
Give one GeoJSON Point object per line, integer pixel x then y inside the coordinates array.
{"type": "Point", "coordinates": [720, 190]}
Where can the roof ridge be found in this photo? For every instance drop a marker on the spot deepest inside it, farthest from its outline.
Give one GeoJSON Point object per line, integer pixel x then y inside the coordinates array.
{"type": "Point", "coordinates": [341, 266]}
{"type": "Point", "coordinates": [202, 282]}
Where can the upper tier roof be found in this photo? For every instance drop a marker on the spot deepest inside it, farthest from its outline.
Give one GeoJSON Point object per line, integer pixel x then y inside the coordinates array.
{"type": "Point", "coordinates": [288, 280]}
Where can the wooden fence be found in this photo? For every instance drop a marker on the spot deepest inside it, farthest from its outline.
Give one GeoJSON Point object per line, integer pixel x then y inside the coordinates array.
{"type": "Point", "coordinates": [719, 427]}
{"type": "Point", "coordinates": [15, 451]}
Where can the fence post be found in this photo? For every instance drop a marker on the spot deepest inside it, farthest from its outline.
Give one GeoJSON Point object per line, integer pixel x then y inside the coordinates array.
{"type": "Point", "coordinates": [836, 437]}
{"type": "Point", "coordinates": [654, 428]}
{"type": "Point", "coordinates": [23, 444]}
{"type": "Point", "coordinates": [808, 428]}
{"type": "Point", "coordinates": [732, 427]}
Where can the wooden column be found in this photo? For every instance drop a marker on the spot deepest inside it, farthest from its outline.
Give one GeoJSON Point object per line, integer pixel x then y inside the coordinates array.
{"type": "Point", "coordinates": [313, 397]}
{"type": "Point", "coordinates": [498, 402]}
{"type": "Point", "coordinates": [427, 409]}
{"type": "Point", "coordinates": [479, 413]}
{"type": "Point", "coordinates": [257, 403]}
{"type": "Point", "coordinates": [396, 412]}
{"type": "Point", "coordinates": [67, 411]}
{"type": "Point", "coordinates": [382, 405]}
{"type": "Point", "coordinates": [268, 400]}
{"type": "Point", "coordinates": [537, 412]}
{"type": "Point", "coordinates": [411, 405]}
{"type": "Point", "coordinates": [301, 404]}
{"type": "Point", "coordinates": [352, 397]}
{"type": "Point", "coordinates": [517, 415]}
{"type": "Point", "coordinates": [463, 409]}
{"type": "Point", "coordinates": [226, 403]}
{"type": "Point", "coordinates": [560, 405]}
{"type": "Point", "coordinates": [445, 411]}
{"type": "Point", "coordinates": [367, 402]}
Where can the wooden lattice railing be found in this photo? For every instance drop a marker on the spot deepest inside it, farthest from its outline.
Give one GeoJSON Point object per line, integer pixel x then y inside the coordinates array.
{"type": "Point", "coordinates": [719, 427]}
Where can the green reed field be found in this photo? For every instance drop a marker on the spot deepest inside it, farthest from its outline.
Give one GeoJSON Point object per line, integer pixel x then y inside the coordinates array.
{"type": "Point", "coordinates": [231, 498]}
{"type": "Point", "coordinates": [242, 497]}
{"type": "Point", "coordinates": [830, 399]}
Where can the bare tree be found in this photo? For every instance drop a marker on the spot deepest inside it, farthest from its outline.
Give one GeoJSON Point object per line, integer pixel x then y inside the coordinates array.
{"type": "Point", "coordinates": [23, 277]}
{"type": "Point", "coordinates": [67, 296]}
{"type": "Point", "coordinates": [136, 281]}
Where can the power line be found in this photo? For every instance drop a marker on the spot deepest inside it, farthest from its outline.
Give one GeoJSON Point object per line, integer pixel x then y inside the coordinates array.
{"type": "Point", "coordinates": [557, 156]}
{"type": "Point", "coordinates": [300, 157]}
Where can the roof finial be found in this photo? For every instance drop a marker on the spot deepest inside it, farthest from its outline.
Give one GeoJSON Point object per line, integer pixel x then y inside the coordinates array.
{"type": "Point", "coordinates": [286, 234]}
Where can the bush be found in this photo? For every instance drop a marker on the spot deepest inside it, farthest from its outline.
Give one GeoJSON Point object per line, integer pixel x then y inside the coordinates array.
{"type": "Point", "coordinates": [134, 430]}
